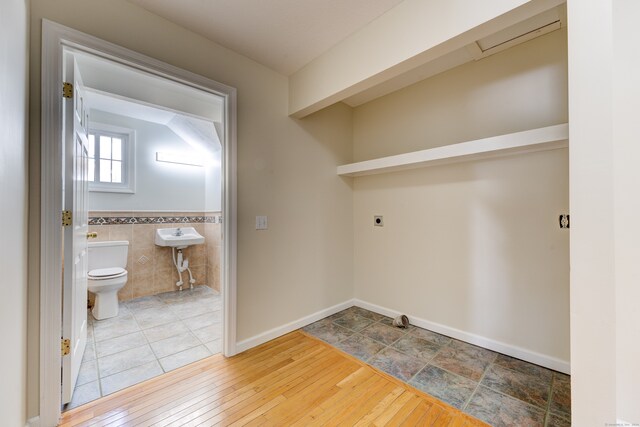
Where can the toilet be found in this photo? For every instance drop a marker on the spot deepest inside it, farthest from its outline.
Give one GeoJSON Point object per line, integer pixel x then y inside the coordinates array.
{"type": "Point", "coordinates": [107, 275]}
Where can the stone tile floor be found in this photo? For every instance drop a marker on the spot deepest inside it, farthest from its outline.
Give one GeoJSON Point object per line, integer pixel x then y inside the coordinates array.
{"type": "Point", "coordinates": [495, 388]}
{"type": "Point", "coordinates": [150, 336]}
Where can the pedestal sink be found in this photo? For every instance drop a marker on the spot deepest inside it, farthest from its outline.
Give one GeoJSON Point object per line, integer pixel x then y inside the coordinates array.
{"type": "Point", "coordinates": [179, 237]}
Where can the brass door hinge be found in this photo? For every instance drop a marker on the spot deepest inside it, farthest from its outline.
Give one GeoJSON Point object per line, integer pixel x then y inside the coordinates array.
{"type": "Point", "coordinates": [65, 346]}
{"type": "Point", "coordinates": [67, 218]}
{"type": "Point", "coordinates": [67, 90]}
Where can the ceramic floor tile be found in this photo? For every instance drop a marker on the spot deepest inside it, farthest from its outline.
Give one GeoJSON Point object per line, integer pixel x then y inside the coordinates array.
{"type": "Point", "coordinates": [177, 296]}
{"type": "Point", "coordinates": [174, 345]}
{"type": "Point", "coordinates": [115, 327]}
{"type": "Point", "coordinates": [119, 344]}
{"type": "Point", "coordinates": [214, 347]}
{"type": "Point", "coordinates": [154, 316]}
{"type": "Point", "coordinates": [450, 388]}
{"type": "Point", "coordinates": [183, 358]}
{"type": "Point", "coordinates": [132, 376]}
{"type": "Point", "coordinates": [212, 301]}
{"type": "Point", "coordinates": [330, 332]}
{"type": "Point", "coordinates": [561, 394]}
{"type": "Point", "coordinates": [83, 394]}
{"type": "Point", "coordinates": [203, 320]}
{"type": "Point", "coordinates": [466, 360]}
{"type": "Point", "coordinates": [524, 367]}
{"type": "Point", "coordinates": [336, 315]}
{"type": "Point", "coordinates": [526, 387]}
{"type": "Point", "coordinates": [416, 347]}
{"type": "Point", "coordinates": [124, 360]}
{"type": "Point", "coordinates": [557, 421]}
{"type": "Point", "coordinates": [353, 322]}
{"type": "Point", "coordinates": [397, 364]}
{"type": "Point", "coordinates": [318, 325]}
{"type": "Point", "coordinates": [385, 320]}
{"type": "Point", "coordinates": [383, 333]}
{"type": "Point", "coordinates": [429, 336]}
{"type": "Point", "coordinates": [190, 309]}
{"type": "Point", "coordinates": [360, 346]}
{"type": "Point", "coordinates": [365, 313]}
{"type": "Point", "coordinates": [209, 333]}
{"type": "Point", "coordinates": [89, 352]}
{"type": "Point", "coordinates": [88, 373]}
{"type": "Point", "coordinates": [503, 411]}
{"type": "Point", "coordinates": [168, 330]}
{"type": "Point", "coordinates": [143, 303]}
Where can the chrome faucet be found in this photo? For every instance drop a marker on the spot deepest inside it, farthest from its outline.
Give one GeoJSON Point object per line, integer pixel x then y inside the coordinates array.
{"type": "Point", "coordinates": [178, 232]}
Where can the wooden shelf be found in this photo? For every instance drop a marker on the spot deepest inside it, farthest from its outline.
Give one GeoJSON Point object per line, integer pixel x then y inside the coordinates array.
{"type": "Point", "coordinates": [547, 138]}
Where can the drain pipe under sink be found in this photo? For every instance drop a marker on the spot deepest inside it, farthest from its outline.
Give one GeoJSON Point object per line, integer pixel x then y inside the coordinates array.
{"type": "Point", "coordinates": [182, 265]}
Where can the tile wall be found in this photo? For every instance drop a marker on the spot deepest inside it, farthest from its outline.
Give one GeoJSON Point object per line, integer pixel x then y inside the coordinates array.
{"type": "Point", "coordinates": [150, 267]}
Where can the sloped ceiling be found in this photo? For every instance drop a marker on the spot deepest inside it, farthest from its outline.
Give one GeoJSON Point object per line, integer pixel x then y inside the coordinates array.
{"type": "Point", "coordinates": [284, 35]}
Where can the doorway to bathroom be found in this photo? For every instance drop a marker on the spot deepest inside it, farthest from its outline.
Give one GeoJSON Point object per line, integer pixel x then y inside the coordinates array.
{"type": "Point", "coordinates": [157, 159]}
{"type": "Point", "coordinates": [155, 197]}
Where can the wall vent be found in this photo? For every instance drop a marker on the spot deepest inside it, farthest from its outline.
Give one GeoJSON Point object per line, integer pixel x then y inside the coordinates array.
{"type": "Point", "coordinates": [521, 32]}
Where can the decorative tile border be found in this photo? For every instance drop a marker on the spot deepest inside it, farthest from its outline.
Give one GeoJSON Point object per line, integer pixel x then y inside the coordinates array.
{"type": "Point", "coordinates": [124, 220]}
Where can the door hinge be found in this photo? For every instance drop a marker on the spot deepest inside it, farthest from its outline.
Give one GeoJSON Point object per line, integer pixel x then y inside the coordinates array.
{"type": "Point", "coordinates": [67, 90]}
{"type": "Point", "coordinates": [65, 346]}
{"type": "Point", "coordinates": [67, 218]}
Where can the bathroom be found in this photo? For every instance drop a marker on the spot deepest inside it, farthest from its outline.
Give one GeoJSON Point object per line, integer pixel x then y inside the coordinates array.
{"type": "Point", "coordinates": [151, 168]}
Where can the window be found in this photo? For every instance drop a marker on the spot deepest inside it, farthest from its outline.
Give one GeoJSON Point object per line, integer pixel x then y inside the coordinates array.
{"type": "Point", "coordinates": [111, 160]}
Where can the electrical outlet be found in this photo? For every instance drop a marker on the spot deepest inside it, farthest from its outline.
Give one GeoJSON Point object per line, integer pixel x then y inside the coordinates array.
{"type": "Point", "coordinates": [378, 221]}
{"type": "Point", "coordinates": [261, 222]}
{"type": "Point", "coordinates": [564, 221]}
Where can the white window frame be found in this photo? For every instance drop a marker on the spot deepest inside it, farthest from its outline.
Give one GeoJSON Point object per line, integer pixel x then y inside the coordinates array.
{"type": "Point", "coordinates": [128, 159]}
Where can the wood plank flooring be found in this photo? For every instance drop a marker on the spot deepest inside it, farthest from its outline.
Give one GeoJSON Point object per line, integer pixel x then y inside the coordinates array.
{"type": "Point", "coordinates": [295, 380]}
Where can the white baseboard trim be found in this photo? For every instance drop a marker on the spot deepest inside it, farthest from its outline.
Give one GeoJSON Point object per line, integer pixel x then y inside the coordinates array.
{"type": "Point", "coordinates": [508, 349]}
{"type": "Point", "coordinates": [33, 422]}
{"type": "Point", "coordinates": [291, 326]}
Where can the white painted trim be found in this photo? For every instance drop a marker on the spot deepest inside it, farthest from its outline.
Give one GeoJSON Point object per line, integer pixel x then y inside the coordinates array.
{"type": "Point", "coordinates": [57, 38]}
{"type": "Point", "coordinates": [33, 422]}
{"type": "Point", "coordinates": [291, 326]}
{"type": "Point", "coordinates": [528, 141]}
{"type": "Point", "coordinates": [504, 348]}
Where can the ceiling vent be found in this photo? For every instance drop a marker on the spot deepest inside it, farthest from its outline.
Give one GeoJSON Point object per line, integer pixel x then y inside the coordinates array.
{"type": "Point", "coordinates": [521, 32]}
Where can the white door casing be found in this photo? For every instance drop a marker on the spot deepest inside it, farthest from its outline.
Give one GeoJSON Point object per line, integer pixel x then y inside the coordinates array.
{"type": "Point", "coordinates": [56, 40]}
{"type": "Point", "coordinates": [76, 191]}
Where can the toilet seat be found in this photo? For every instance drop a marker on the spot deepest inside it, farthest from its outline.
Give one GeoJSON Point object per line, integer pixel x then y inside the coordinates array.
{"type": "Point", "coordinates": [107, 273]}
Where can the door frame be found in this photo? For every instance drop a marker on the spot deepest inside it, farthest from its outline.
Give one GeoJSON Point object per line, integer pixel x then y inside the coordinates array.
{"type": "Point", "coordinates": [56, 39]}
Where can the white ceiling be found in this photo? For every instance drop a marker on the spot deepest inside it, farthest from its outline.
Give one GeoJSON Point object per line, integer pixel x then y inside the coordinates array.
{"type": "Point", "coordinates": [284, 35]}
{"type": "Point", "coordinates": [199, 133]}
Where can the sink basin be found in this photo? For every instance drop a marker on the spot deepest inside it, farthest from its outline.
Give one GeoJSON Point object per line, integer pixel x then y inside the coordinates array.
{"type": "Point", "coordinates": [178, 237]}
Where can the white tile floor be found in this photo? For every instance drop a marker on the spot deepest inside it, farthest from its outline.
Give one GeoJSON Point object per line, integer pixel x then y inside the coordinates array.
{"type": "Point", "coordinates": [150, 336]}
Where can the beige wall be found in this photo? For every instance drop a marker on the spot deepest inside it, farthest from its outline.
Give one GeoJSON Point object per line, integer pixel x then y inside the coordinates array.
{"type": "Point", "coordinates": [286, 170]}
{"type": "Point", "coordinates": [626, 98]}
{"type": "Point", "coordinates": [603, 99]}
{"type": "Point", "coordinates": [473, 246]}
{"type": "Point", "coordinates": [593, 311]}
{"type": "Point", "coordinates": [14, 36]}
{"type": "Point", "coordinates": [406, 37]}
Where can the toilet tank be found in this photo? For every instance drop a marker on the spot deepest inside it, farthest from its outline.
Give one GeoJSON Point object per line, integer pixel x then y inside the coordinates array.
{"type": "Point", "coordinates": [108, 254]}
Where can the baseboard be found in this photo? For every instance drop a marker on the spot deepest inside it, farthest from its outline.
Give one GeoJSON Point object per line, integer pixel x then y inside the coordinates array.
{"type": "Point", "coordinates": [289, 327]}
{"type": "Point", "coordinates": [33, 422]}
{"type": "Point", "coordinates": [508, 349]}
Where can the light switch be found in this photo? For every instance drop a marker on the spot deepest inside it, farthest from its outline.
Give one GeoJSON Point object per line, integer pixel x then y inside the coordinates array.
{"type": "Point", "coordinates": [261, 222]}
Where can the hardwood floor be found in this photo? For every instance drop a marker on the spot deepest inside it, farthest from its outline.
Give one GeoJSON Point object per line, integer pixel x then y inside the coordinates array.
{"type": "Point", "coordinates": [295, 380]}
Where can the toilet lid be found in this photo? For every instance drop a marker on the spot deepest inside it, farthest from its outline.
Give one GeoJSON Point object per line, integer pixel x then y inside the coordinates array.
{"type": "Point", "coordinates": [106, 272]}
